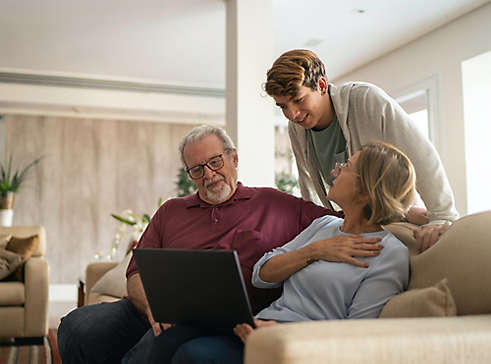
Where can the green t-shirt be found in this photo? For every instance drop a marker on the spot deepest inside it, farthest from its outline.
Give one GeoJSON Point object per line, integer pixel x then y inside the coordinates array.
{"type": "Point", "coordinates": [329, 146]}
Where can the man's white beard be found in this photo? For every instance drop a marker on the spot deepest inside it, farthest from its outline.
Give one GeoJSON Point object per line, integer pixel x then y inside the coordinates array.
{"type": "Point", "coordinates": [220, 195]}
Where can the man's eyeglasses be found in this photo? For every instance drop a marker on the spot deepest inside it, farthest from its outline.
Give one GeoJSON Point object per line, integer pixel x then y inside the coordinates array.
{"type": "Point", "coordinates": [214, 164]}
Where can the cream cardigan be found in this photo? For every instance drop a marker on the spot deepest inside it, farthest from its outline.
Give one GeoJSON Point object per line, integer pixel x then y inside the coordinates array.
{"type": "Point", "coordinates": [366, 113]}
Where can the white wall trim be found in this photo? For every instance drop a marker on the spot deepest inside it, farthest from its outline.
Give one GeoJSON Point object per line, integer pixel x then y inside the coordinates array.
{"type": "Point", "coordinates": [82, 82]}
{"type": "Point", "coordinates": [63, 292]}
{"type": "Point", "coordinates": [110, 104]}
{"type": "Point", "coordinates": [429, 84]}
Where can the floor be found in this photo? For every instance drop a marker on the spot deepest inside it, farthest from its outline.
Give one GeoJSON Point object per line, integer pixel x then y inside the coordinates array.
{"type": "Point", "coordinates": [57, 310]}
{"type": "Point", "coordinates": [62, 299]}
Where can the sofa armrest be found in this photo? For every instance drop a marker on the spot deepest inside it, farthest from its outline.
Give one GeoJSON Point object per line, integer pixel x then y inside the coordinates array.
{"type": "Point", "coordinates": [36, 283]}
{"type": "Point", "coordinates": [94, 272]}
{"type": "Point", "coordinates": [462, 339]}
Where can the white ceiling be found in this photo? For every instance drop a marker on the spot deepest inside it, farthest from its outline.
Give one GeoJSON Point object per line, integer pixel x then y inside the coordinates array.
{"type": "Point", "coordinates": [183, 42]}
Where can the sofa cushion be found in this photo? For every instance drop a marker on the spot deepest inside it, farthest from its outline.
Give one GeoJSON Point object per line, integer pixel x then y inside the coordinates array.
{"type": "Point", "coordinates": [22, 231]}
{"type": "Point", "coordinates": [4, 239]}
{"type": "Point", "coordinates": [9, 262]}
{"type": "Point", "coordinates": [12, 294]}
{"type": "Point", "coordinates": [113, 282]}
{"type": "Point", "coordinates": [462, 256]}
{"type": "Point", "coordinates": [436, 300]}
{"type": "Point", "coordinates": [404, 231]}
{"type": "Point", "coordinates": [25, 247]}
{"type": "Point", "coordinates": [95, 298]}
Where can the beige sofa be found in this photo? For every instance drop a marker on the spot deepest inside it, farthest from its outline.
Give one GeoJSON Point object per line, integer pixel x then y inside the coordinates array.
{"type": "Point", "coordinates": [462, 256]}
{"type": "Point", "coordinates": [24, 306]}
{"type": "Point", "coordinates": [93, 273]}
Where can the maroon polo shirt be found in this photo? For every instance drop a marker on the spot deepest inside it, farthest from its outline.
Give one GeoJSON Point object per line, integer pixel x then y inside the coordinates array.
{"type": "Point", "coordinates": [253, 221]}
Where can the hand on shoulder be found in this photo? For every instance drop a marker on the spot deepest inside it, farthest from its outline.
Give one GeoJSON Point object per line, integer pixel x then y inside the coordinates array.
{"type": "Point", "coordinates": [426, 236]}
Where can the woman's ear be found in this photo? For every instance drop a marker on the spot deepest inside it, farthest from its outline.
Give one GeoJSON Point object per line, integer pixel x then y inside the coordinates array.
{"type": "Point", "coordinates": [362, 196]}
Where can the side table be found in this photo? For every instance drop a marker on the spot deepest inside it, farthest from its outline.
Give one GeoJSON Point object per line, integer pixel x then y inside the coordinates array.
{"type": "Point", "coordinates": [81, 292]}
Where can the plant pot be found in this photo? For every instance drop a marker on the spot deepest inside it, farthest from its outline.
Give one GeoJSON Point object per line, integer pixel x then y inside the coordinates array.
{"type": "Point", "coordinates": [6, 217]}
{"type": "Point", "coordinates": [7, 201]}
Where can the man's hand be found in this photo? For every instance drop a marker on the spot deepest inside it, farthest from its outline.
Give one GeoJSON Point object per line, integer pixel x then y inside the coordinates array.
{"type": "Point", "coordinates": [136, 295]}
{"type": "Point", "coordinates": [244, 330]}
{"type": "Point", "coordinates": [157, 327]}
{"type": "Point", "coordinates": [417, 216]}
{"type": "Point", "coordinates": [427, 236]}
{"type": "Point", "coordinates": [344, 248]}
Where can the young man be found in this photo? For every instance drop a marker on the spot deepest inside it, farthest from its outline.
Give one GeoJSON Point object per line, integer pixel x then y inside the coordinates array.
{"type": "Point", "coordinates": [223, 214]}
{"type": "Point", "coordinates": [328, 124]}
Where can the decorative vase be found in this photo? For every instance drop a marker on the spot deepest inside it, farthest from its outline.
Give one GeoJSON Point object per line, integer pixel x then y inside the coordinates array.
{"type": "Point", "coordinates": [6, 217]}
{"type": "Point", "coordinates": [7, 201]}
{"type": "Point", "coordinates": [6, 209]}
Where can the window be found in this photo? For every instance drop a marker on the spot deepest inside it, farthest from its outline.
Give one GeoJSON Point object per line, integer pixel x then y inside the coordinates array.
{"type": "Point", "coordinates": [476, 78]}
{"type": "Point", "coordinates": [420, 102]}
{"type": "Point", "coordinates": [416, 105]}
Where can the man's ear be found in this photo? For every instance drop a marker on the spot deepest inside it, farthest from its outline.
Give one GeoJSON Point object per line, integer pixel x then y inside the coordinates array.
{"type": "Point", "coordinates": [322, 85]}
{"type": "Point", "coordinates": [235, 158]}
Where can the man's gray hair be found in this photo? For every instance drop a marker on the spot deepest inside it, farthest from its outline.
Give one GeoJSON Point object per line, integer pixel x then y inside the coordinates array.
{"type": "Point", "coordinates": [199, 132]}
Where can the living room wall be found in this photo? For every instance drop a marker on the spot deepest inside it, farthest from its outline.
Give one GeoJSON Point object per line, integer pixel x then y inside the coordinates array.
{"type": "Point", "coordinates": [91, 168]}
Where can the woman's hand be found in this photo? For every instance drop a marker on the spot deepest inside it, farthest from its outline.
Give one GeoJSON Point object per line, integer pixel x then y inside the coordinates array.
{"type": "Point", "coordinates": [340, 248]}
{"type": "Point", "coordinates": [244, 330]}
{"type": "Point", "coordinates": [344, 248]}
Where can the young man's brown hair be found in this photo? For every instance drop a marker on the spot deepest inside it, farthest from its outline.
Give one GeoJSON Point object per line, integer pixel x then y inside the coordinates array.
{"type": "Point", "coordinates": [299, 67]}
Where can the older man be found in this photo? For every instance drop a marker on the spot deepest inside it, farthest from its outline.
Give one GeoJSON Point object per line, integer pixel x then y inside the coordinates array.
{"type": "Point", "coordinates": [223, 214]}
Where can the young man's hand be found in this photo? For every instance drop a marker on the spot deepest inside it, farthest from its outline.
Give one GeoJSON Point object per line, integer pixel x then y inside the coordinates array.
{"type": "Point", "coordinates": [427, 236]}
{"type": "Point", "coordinates": [417, 216]}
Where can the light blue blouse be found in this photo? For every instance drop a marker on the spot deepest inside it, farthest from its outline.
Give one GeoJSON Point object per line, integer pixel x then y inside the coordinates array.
{"type": "Point", "coordinates": [331, 290]}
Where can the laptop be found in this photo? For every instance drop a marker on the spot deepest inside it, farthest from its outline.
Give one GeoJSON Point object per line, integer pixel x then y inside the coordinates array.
{"type": "Point", "coordinates": [202, 288]}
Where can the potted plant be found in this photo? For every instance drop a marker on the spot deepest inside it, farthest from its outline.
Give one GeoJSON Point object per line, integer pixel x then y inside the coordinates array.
{"type": "Point", "coordinates": [10, 182]}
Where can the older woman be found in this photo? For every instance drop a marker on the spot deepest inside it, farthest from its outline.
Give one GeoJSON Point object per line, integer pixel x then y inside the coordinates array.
{"type": "Point", "coordinates": [374, 187]}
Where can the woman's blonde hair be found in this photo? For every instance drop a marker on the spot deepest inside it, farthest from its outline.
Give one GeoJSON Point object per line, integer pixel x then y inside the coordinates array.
{"type": "Point", "coordinates": [387, 176]}
{"type": "Point", "coordinates": [299, 67]}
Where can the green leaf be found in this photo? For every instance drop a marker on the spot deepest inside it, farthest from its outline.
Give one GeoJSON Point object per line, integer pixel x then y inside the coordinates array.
{"type": "Point", "coordinates": [184, 185]}
{"type": "Point", "coordinates": [122, 219]}
{"type": "Point", "coordinates": [12, 183]}
{"type": "Point", "coordinates": [146, 218]}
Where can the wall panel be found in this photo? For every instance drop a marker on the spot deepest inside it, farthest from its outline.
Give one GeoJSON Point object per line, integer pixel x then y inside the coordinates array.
{"type": "Point", "coordinates": [91, 168]}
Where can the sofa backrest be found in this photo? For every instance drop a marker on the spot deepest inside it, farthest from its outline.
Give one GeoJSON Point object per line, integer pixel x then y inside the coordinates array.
{"type": "Point", "coordinates": [463, 256]}
{"type": "Point", "coordinates": [24, 231]}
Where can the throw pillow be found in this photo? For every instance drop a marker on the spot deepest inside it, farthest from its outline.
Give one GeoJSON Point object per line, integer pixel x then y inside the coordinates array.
{"type": "Point", "coordinates": [25, 247]}
{"type": "Point", "coordinates": [4, 239]}
{"type": "Point", "coordinates": [436, 300]}
{"type": "Point", "coordinates": [113, 282]}
{"type": "Point", "coordinates": [9, 262]}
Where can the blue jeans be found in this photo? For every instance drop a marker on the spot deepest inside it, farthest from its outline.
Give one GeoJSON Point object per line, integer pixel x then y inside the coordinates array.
{"type": "Point", "coordinates": [115, 332]}
{"type": "Point", "coordinates": [100, 333]}
{"type": "Point", "coordinates": [185, 345]}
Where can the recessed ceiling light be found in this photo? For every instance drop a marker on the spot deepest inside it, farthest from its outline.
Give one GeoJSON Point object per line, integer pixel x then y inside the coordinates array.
{"type": "Point", "coordinates": [312, 42]}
